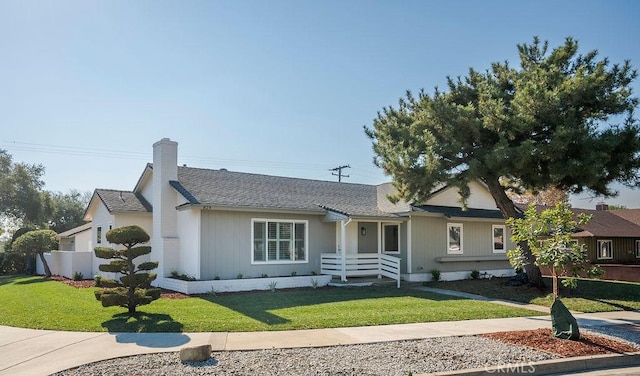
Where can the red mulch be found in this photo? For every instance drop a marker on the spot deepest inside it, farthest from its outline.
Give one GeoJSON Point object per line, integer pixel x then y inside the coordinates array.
{"type": "Point", "coordinates": [543, 339]}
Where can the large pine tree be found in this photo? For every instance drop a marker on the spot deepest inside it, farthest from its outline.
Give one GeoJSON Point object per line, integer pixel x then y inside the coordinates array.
{"type": "Point", "coordinates": [561, 119]}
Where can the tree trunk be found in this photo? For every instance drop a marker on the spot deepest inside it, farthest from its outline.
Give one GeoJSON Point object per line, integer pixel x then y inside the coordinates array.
{"type": "Point", "coordinates": [508, 210]}
{"type": "Point", "coordinates": [555, 284]}
{"type": "Point", "coordinates": [132, 286]}
{"type": "Point", "coordinates": [47, 271]}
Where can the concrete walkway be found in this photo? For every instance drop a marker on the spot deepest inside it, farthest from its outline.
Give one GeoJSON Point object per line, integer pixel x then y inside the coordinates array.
{"type": "Point", "coordinates": [42, 352]}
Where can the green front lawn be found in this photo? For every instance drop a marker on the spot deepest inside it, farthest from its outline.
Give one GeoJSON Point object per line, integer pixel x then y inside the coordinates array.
{"type": "Point", "coordinates": [590, 296]}
{"type": "Point", "coordinates": [34, 302]}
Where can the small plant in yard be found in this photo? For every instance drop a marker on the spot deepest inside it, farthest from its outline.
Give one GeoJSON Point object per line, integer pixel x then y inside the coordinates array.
{"type": "Point", "coordinates": [435, 275]}
{"type": "Point", "coordinates": [314, 283]}
{"type": "Point", "coordinates": [213, 292]}
{"type": "Point", "coordinates": [216, 278]}
{"type": "Point", "coordinates": [239, 276]}
{"type": "Point", "coordinates": [97, 280]}
{"type": "Point", "coordinates": [78, 276]}
{"type": "Point", "coordinates": [272, 286]}
{"type": "Point", "coordinates": [313, 272]}
{"type": "Point", "coordinates": [134, 287]}
{"type": "Point", "coordinates": [475, 274]}
{"type": "Point", "coordinates": [264, 275]}
{"type": "Point", "coordinates": [181, 276]}
{"type": "Point", "coordinates": [293, 274]}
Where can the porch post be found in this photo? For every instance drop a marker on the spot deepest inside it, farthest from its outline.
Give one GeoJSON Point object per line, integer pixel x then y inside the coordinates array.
{"type": "Point", "coordinates": [379, 247]}
{"type": "Point", "coordinates": [409, 266]}
{"type": "Point", "coordinates": [343, 246]}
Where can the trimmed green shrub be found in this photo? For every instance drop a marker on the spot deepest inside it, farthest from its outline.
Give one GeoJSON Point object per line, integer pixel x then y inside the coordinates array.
{"type": "Point", "coordinates": [134, 286]}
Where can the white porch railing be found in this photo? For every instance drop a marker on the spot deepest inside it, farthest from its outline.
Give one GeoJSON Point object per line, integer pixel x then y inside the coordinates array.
{"type": "Point", "coordinates": [360, 264]}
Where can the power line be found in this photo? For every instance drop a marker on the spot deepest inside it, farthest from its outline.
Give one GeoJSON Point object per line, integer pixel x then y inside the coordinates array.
{"type": "Point", "coordinates": [339, 173]}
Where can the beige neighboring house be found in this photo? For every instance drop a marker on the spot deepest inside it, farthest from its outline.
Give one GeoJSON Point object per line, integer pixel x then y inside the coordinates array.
{"type": "Point", "coordinates": [77, 239]}
{"type": "Point", "coordinates": [218, 225]}
{"type": "Point", "coordinates": [73, 254]}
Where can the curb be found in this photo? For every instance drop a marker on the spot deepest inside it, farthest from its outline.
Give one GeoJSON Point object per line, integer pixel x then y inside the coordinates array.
{"type": "Point", "coordinates": [549, 367]}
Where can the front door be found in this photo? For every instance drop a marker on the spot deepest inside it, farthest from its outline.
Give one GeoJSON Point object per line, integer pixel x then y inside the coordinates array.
{"type": "Point", "coordinates": [390, 238]}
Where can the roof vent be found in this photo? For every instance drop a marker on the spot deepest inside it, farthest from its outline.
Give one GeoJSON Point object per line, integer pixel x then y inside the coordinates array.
{"type": "Point", "coordinates": [602, 206]}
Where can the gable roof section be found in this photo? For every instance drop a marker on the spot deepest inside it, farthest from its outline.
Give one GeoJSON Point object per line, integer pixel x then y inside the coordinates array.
{"type": "Point", "coordinates": [237, 189]}
{"type": "Point", "coordinates": [605, 223]}
{"type": "Point", "coordinates": [123, 201]}
{"type": "Point", "coordinates": [451, 211]}
{"type": "Point", "coordinates": [631, 215]}
{"type": "Point", "coordinates": [75, 230]}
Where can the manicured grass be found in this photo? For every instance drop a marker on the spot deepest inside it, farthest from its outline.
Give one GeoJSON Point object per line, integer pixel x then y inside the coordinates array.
{"type": "Point", "coordinates": [590, 296]}
{"type": "Point", "coordinates": [33, 302]}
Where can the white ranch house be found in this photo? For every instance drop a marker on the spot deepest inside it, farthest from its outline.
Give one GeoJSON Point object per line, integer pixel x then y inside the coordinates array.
{"type": "Point", "coordinates": [215, 225]}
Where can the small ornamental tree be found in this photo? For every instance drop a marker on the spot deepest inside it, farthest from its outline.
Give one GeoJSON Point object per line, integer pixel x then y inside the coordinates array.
{"type": "Point", "coordinates": [134, 287]}
{"type": "Point", "coordinates": [548, 235]}
{"type": "Point", "coordinates": [37, 242]}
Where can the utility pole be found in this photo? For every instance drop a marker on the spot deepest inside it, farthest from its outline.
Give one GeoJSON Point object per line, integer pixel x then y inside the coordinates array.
{"type": "Point", "coordinates": [339, 173]}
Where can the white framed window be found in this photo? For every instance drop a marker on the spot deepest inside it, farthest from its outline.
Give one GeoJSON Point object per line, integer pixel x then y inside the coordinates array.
{"type": "Point", "coordinates": [637, 248]}
{"type": "Point", "coordinates": [498, 238]}
{"type": "Point", "coordinates": [605, 249]}
{"type": "Point", "coordinates": [454, 238]}
{"type": "Point", "coordinates": [99, 235]}
{"type": "Point", "coordinates": [279, 241]}
{"type": "Point", "coordinates": [391, 238]}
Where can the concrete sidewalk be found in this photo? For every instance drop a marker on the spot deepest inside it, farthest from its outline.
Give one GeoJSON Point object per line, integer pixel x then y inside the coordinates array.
{"type": "Point", "coordinates": [42, 352]}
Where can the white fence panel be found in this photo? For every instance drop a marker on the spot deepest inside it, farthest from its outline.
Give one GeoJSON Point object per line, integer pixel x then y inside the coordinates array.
{"type": "Point", "coordinates": [357, 265]}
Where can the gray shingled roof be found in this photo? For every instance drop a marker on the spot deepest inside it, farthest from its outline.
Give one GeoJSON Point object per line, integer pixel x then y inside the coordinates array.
{"type": "Point", "coordinates": [237, 189]}
{"type": "Point", "coordinates": [123, 201]}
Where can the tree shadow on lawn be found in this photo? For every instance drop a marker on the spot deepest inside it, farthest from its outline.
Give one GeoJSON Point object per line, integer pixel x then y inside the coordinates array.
{"type": "Point", "coordinates": [24, 280]}
{"type": "Point", "coordinates": [257, 305]}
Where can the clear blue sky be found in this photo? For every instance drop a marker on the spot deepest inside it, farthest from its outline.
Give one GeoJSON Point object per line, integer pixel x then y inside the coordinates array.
{"type": "Point", "coordinates": [274, 87]}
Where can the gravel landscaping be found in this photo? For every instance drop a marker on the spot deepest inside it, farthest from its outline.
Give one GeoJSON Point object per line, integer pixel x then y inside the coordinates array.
{"type": "Point", "coordinates": [391, 358]}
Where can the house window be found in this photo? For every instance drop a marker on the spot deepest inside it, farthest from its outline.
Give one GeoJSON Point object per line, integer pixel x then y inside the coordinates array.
{"type": "Point", "coordinates": [605, 250]}
{"type": "Point", "coordinates": [391, 239]}
{"type": "Point", "coordinates": [454, 238]}
{"type": "Point", "coordinates": [498, 239]}
{"type": "Point", "coordinates": [637, 248]}
{"type": "Point", "coordinates": [99, 235]}
{"type": "Point", "coordinates": [279, 241]}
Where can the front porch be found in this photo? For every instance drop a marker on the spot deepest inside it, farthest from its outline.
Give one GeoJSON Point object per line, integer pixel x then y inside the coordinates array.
{"type": "Point", "coordinates": [358, 265]}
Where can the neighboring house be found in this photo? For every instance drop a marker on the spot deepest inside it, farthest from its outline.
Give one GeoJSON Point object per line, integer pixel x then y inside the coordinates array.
{"type": "Point", "coordinates": [611, 236]}
{"type": "Point", "coordinates": [72, 255]}
{"type": "Point", "coordinates": [76, 239]}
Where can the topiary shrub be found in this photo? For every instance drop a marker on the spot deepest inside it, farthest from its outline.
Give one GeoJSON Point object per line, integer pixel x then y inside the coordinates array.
{"type": "Point", "coordinates": [78, 276]}
{"type": "Point", "coordinates": [133, 289]}
{"type": "Point", "coordinates": [475, 274]}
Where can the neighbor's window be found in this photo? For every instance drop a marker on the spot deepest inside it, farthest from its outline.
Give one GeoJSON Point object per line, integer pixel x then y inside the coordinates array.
{"type": "Point", "coordinates": [279, 241]}
{"type": "Point", "coordinates": [99, 235]}
{"type": "Point", "coordinates": [498, 239]}
{"type": "Point", "coordinates": [454, 238]}
{"type": "Point", "coordinates": [637, 248]}
{"type": "Point", "coordinates": [605, 250]}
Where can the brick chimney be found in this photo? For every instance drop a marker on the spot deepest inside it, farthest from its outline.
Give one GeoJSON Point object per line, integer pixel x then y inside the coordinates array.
{"type": "Point", "coordinates": [602, 206]}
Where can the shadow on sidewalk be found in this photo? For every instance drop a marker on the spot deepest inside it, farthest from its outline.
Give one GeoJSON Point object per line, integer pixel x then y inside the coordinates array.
{"type": "Point", "coordinates": [146, 329]}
